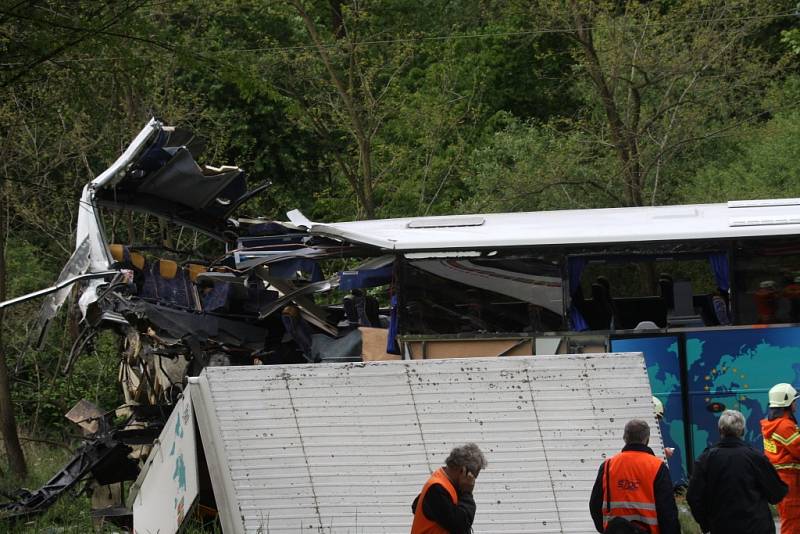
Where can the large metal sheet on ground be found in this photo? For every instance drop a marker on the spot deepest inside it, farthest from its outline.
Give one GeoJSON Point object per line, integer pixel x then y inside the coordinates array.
{"type": "Point", "coordinates": [345, 448]}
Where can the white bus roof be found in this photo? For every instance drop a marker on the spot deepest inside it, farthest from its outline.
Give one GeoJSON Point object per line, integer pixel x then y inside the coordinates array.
{"type": "Point", "coordinates": [570, 227]}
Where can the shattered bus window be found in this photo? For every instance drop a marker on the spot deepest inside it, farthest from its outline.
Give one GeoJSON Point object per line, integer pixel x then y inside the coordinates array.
{"type": "Point", "coordinates": [485, 294]}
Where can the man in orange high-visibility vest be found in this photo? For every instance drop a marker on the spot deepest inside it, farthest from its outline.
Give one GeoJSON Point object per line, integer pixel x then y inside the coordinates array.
{"type": "Point", "coordinates": [782, 448]}
{"type": "Point", "coordinates": [633, 491]}
{"type": "Point", "coordinates": [445, 504]}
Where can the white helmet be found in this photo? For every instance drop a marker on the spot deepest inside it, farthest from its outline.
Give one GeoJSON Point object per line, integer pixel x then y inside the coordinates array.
{"type": "Point", "coordinates": [782, 395]}
{"type": "Point", "coordinates": [658, 406]}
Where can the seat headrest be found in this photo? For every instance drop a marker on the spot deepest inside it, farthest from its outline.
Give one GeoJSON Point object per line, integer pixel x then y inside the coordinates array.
{"type": "Point", "coordinates": [167, 269]}
{"type": "Point", "coordinates": [117, 252]}
{"type": "Point", "coordinates": [137, 260]}
{"type": "Point", "coordinates": [194, 270]}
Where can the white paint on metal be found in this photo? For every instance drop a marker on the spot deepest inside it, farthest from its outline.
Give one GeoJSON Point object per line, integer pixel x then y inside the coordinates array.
{"type": "Point", "coordinates": [572, 227]}
{"type": "Point", "coordinates": [216, 459]}
{"type": "Point", "coordinates": [168, 486]}
{"type": "Point", "coordinates": [89, 228]}
{"type": "Point", "coordinates": [345, 448]}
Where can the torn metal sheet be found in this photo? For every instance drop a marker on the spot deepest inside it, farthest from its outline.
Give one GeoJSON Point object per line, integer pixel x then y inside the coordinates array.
{"type": "Point", "coordinates": [86, 415]}
{"type": "Point", "coordinates": [178, 305]}
{"type": "Point", "coordinates": [543, 291]}
{"type": "Point", "coordinates": [292, 295]}
{"type": "Point", "coordinates": [102, 457]}
{"type": "Point", "coordinates": [179, 324]}
{"type": "Point", "coordinates": [372, 273]}
{"type": "Point", "coordinates": [166, 181]}
{"type": "Point", "coordinates": [59, 286]}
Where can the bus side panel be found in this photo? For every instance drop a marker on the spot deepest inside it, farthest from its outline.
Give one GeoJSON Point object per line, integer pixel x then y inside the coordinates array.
{"type": "Point", "coordinates": [663, 370]}
{"type": "Point", "coordinates": [734, 369]}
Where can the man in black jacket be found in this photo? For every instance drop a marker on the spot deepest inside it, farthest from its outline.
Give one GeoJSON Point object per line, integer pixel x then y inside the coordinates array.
{"type": "Point", "coordinates": [445, 504]}
{"type": "Point", "coordinates": [732, 483]}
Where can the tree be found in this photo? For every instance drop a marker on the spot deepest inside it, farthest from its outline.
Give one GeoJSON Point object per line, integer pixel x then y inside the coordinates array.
{"type": "Point", "coordinates": [758, 160]}
{"type": "Point", "coordinates": [660, 79]}
{"type": "Point", "coordinates": [61, 117]}
{"type": "Point", "coordinates": [360, 77]}
{"type": "Point", "coordinates": [8, 425]}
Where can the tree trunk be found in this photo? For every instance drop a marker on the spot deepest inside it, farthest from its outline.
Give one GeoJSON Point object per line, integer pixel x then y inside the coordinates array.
{"type": "Point", "coordinates": [8, 424]}
{"type": "Point", "coordinates": [363, 190]}
{"type": "Point", "coordinates": [622, 135]}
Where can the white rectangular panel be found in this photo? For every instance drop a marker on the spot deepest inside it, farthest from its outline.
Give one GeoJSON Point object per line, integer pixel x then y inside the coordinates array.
{"type": "Point", "coordinates": [345, 448]}
{"type": "Point", "coordinates": [168, 485]}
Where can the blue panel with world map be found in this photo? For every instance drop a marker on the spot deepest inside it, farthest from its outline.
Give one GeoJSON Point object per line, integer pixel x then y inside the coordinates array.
{"type": "Point", "coordinates": [726, 369]}
{"type": "Point", "coordinates": [734, 369]}
{"type": "Point", "coordinates": [663, 369]}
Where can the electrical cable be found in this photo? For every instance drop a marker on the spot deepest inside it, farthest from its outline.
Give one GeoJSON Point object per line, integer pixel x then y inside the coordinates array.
{"type": "Point", "coordinates": [419, 39]}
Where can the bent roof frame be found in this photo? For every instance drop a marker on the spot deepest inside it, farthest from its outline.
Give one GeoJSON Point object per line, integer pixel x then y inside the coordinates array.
{"type": "Point", "coordinates": [569, 227]}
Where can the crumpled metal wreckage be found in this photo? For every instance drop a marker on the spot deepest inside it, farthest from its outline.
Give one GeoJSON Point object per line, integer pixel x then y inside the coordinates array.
{"type": "Point", "coordinates": [248, 300]}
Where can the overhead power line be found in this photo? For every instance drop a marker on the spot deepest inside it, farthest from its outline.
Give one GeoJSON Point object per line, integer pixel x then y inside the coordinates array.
{"type": "Point", "coordinates": [521, 33]}
{"type": "Point", "coordinates": [416, 39]}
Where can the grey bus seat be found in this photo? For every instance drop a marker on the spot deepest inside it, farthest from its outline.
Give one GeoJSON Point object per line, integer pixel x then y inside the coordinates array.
{"type": "Point", "coordinates": [684, 313]}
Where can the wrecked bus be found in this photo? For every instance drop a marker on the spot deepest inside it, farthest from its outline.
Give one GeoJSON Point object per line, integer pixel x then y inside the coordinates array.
{"type": "Point", "coordinates": [707, 293]}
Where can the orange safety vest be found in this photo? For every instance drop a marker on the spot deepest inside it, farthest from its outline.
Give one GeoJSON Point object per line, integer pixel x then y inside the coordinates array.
{"type": "Point", "coordinates": [782, 449]}
{"type": "Point", "coordinates": [421, 524]}
{"type": "Point", "coordinates": [781, 442]}
{"type": "Point", "coordinates": [630, 476]}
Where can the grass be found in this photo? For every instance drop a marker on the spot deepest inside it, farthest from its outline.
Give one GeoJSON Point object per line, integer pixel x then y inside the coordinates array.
{"type": "Point", "coordinates": [71, 514]}
{"type": "Point", "coordinates": [688, 524]}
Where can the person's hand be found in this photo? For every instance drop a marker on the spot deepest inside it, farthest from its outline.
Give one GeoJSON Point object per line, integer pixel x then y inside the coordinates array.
{"type": "Point", "coordinates": [467, 483]}
{"type": "Point", "coordinates": [669, 451]}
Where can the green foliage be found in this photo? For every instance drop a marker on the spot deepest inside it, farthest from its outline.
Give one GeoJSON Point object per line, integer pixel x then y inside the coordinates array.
{"type": "Point", "coordinates": [458, 106]}
{"type": "Point", "coordinates": [470, 106]}
{"type": "Point", "coordinates": [656, 79]}
{"type": "Point", "coordinates": [758, 160]}
{"type": "Point", "coordinates": [687, 522]}
{"type": "Point", "coordinates": [529, 166]}
{"type": "Point", "coordinates": [791, 38]}
{"type": "Point", "coordinates": [70, 514]}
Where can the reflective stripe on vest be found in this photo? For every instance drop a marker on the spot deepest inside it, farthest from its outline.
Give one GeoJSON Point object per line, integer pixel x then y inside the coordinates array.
{"type": "Point", "coordinates": [639, 505]}
{"type": "Point", "coordinates": [787, 466]}
{"type": "Point", "coordinates": [628, 488]}
{"type": "Point", "coordinates": [786, 441]}
{"type": "Point", "coordinates": [421, 524]}
{"type": "Point", "coordinates": [781, 439]}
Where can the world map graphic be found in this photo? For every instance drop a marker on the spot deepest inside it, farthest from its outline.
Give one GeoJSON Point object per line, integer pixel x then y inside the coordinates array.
{"type": "Point", "coordinates": [726, 369]}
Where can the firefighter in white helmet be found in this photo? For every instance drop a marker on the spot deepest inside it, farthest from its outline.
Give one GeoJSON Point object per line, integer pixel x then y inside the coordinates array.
{"type": "Point", "coordinates": [658, 408]}
{"type": "Point", "coordinates": [782, 448]}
